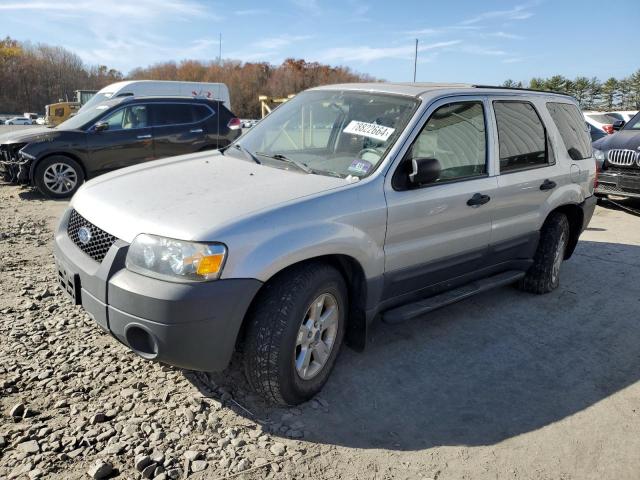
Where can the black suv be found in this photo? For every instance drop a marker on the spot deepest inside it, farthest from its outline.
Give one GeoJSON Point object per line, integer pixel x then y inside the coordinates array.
{"type": "Point", "coordinates": [117, 133]}
{"type": "Point", "coordinates": [618, 157]}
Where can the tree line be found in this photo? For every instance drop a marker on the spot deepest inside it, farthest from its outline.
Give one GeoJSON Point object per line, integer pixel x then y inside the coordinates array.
{"type": "Point", "coordinates": [32, 76]}
{"type": "Point", "coordinates": [591, 93]}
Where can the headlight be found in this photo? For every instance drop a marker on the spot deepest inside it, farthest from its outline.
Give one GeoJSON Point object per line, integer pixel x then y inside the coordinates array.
{"type": "Point", "coordinates": [175, 260]}
{"type": "Point", "coordinates": [598, 155]}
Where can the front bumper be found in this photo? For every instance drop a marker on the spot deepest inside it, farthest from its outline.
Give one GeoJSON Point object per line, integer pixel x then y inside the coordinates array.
{"type": "Point", "coordinates": [189, 325]}
{"type": "Point", "coordinates": [14, 167]}
{"type": "Point", "coordinates": [624, 183]}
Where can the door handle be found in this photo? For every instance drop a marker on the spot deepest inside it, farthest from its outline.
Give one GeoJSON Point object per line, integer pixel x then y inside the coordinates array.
{"type": "Point", "coordinates": [196, 130]}
{"type": "Point", "coordinates": [142, 137]}
{"type": "Point", "coordinates": [478, 199]}
{"type": "Point", "coordinates": [548, 185]}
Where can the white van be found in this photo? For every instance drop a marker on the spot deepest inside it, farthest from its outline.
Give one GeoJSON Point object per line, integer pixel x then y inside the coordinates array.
{"type": "Point", "coordinates": [161, 88]}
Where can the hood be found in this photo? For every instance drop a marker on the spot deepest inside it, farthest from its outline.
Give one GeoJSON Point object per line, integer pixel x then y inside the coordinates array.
{"type": "Point", "coordinates": [28, 135]}
{"type": "Point", "coordinates": [626, 139]}
{"type": "Point", "coordinates": [190, 197]}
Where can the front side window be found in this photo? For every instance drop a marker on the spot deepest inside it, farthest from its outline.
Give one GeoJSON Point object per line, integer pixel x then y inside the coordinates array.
{"type": "Point", "coordinates": [572, 129]}
{"type": "Point", "coordinates": [331, 132]}
{"type": "Point", "coordinates": [522, 137]}
{"type": "Point", "coordinates": [128, 118]}
{"type": "Point", "coordinates": [455, 135]}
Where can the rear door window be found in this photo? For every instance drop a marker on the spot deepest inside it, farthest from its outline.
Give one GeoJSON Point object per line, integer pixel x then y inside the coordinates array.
{"type": "Point", "coordinates": [522, 136]}
{"type": "Point", "coordinates": [572, 129]}
{"type": "Point", "coordinates": [173, 114]}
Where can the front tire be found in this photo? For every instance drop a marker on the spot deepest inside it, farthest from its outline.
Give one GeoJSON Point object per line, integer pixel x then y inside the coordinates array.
{"type": "Point", "coordinates": [544, 275]}
{"type": "Point", "coordinates": [58, 176]}
{"type": "Point", "coordinates": [295, 332]}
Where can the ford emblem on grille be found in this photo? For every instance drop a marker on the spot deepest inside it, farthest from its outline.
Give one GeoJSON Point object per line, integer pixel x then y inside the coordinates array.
{"type": "Point", "coordinates": [84, 235]}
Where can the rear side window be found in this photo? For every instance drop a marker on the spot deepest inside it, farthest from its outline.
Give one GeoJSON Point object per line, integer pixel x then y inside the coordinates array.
{"type": "Point", "coordinates": [178, 113]}
{"type": "Point", "coordinates": [521, 136]}
{"type": "Point", "coordinates": [572, 129]}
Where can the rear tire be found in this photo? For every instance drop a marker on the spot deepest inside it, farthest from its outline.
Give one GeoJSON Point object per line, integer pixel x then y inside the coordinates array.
{"type": "Point", "coordinates": [544, 275]}
{"type": "Point", "coordinates": [58, 176]}
{"type": "Point", "coordinates": [285, 332]}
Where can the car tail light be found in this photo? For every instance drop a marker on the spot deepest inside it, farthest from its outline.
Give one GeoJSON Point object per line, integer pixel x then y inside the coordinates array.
{"type": "Point", "coordinates": [608, 128]}
{"type": "Point", "coordinates": [236, 124]}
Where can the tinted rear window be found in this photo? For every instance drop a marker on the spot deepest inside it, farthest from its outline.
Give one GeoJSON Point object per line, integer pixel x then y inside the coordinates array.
{"type": "Point", "coordinates": [179, 113]}
{"type": "Point", "coordinates": [572, 129]}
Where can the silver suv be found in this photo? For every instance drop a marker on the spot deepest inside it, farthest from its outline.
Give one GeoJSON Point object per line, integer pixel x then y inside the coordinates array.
{"type": "Point", "coordinates": [347, 203]}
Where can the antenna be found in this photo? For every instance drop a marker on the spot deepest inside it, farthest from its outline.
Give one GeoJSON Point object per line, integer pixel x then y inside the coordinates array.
{"type": "Point", "coordinates": [219, 99]}
{"type": "Point", "coordinates": [415, 62]}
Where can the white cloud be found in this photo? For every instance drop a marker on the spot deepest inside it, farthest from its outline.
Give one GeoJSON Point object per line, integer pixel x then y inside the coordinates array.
{"type": "Point", "coordinates": [366, 54]}
{"type": "Point", "coordinates": [519, 12]}
{"type": "Point", "coordinates": [251, 11]}
{"type": "Point", "coordinates": [276, 43]}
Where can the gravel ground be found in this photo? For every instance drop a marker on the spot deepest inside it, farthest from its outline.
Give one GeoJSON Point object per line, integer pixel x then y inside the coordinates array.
{"type": "Point", "coordinates": [507, 385]}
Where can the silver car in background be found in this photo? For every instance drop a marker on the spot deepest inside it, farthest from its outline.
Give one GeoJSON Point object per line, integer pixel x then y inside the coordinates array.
{"type": "Point", "coordinates": [346, 204]}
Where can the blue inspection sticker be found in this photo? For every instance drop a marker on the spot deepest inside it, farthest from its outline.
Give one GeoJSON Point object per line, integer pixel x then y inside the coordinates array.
{"type": "Point", "coordinates": [360, 167]}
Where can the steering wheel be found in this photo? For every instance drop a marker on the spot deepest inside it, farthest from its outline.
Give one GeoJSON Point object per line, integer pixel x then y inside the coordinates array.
{"type": "Point", "coordinates": [365, 154]}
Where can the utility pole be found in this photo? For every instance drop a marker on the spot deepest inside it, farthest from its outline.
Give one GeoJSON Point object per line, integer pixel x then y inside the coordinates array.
{"type": "Point", "coordinates": [415, 62]}
{"type": "Point", "coordinates": [220, 50]}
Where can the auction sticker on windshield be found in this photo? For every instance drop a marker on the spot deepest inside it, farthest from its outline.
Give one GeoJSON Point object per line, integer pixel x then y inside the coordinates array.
{"type": "Point", "coordinates": [371, 130]}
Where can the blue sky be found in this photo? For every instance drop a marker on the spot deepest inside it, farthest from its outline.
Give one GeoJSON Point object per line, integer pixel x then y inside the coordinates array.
{"type": "Point", "coordinates": [464, 41]}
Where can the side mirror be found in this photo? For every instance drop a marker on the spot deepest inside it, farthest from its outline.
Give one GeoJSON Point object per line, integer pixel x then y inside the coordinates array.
{"type": "Point", "coordinates": [618, 124]}
{"type": "Point", "coordinates": [101, 126]}
{"type": "Point", "coordinates": [424, 170]}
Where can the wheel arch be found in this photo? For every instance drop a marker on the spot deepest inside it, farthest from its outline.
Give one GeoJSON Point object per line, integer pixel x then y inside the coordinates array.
{"type": "Point", "coordinates": [354, 277]}
{"type": "Point", "coordinates": [575, 215]}
{"type": "Point", "coordinates": [35, 163]}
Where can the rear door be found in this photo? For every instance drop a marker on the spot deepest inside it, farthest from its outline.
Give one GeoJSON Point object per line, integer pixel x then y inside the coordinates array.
{"type": "Point", "coordinates": [127, 141]}
{"type": "Point", "coordinates": [178, 128]}
{"type": "Point", "coordinates": [435, 232]}
{"type": "Point", "coordinates": [528, 176]}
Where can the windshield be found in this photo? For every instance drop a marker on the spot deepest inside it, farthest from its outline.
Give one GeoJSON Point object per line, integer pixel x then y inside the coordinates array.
{"type": "Point", "coordinates": [330, 132]}
{"type": "Point", "coordinates": [85, 116]}
{"type": "Point", "coordinates": [95, 100]}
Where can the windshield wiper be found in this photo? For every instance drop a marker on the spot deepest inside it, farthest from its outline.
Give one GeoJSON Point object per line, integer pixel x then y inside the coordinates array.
{"type": "Point", "coordinates": [278, 156]}
{"type": "Point", "coordinates": [246, 152]}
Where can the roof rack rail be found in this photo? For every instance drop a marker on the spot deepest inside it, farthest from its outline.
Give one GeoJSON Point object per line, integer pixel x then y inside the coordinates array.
{"type": "Point", "coordinates": [521, 89]}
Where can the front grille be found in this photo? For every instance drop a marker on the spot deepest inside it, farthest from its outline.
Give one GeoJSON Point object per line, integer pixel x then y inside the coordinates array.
{"type": "Point", "coordinates": [99, 241]}
{"type": "Point", "coordinates": [623, 158]}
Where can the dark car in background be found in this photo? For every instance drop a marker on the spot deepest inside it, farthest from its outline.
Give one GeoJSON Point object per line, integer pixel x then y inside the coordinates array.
{"type": "Point", "coordinates": [618, 157]}
{"type": "Point", "coordinates": [117, 133]}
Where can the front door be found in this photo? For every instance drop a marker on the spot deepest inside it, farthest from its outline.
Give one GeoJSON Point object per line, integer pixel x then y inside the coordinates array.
{"type": "Point", "coordinates": [441, 230]}
{"type": "Point", "coordinates": [128, 140]}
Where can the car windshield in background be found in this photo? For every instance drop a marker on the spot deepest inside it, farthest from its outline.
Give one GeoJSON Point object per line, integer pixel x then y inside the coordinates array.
{"type": "Point", "coordinates": [331, 132]}
{"type": "Point", "coordinates": [85, 116]}
{"type": "Point", "coordinates": [602, 118]}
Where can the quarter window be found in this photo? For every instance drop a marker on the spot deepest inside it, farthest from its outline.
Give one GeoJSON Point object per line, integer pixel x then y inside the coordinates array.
{"type": "Point", "coordinates": [522, 137]}
{"type": "Point", "coordinates": [572, 129]}
{"type": "Point", "coordinates": [455, 136]}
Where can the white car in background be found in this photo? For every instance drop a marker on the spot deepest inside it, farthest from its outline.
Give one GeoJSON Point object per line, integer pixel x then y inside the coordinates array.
{"type": "Point", "coordinates": [600, 120]}
{"type": "Point", "coordinates": [19, 121]}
